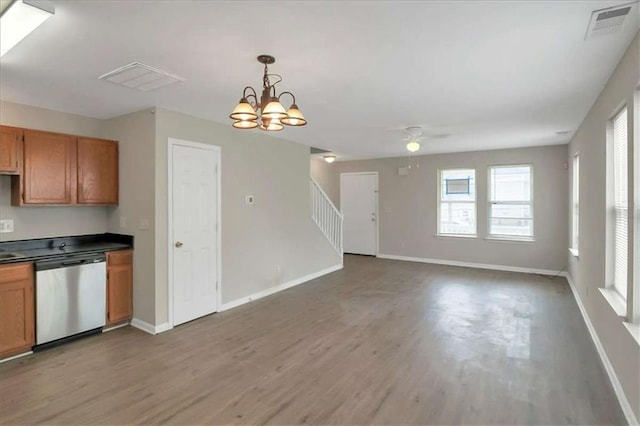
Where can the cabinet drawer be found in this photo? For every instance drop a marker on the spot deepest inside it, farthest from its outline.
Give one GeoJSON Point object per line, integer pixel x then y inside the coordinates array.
{"type": "Point", "coordinates": [15, 272]}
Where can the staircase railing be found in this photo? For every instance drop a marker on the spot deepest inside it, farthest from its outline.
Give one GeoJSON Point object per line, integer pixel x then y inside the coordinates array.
{"type": "Point", "coordinates": [326, 216]}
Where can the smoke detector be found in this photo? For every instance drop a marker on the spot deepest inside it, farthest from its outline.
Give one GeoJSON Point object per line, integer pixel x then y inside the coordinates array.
{"type": "Point", "coordinates": [607, 21]}
{"type": "Point", "coordinates": [141, 77]}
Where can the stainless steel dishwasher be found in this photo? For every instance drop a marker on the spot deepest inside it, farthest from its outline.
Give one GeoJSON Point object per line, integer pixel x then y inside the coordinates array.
{"type": "Point", "coordinates": [70, 296]}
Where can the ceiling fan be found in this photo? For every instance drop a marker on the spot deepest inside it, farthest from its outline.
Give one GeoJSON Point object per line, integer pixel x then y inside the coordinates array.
{"type": "Point", "coordinates": [414, 136]}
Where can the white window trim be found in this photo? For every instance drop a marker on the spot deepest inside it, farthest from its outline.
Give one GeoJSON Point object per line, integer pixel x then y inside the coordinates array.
{"type": "Point", "coordinates": [490, 202]}
{"type": "Point", "coordinates": [439, 201]}
{"type": "Point", "coordinates": [575, 206]}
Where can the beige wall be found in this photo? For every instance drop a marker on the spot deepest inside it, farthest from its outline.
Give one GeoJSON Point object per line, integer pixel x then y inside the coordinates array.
{"type": "Point", "coordinates": [136, 134]}
{"type": "Point", "coordinates": [588, 271]}
{"type": "Point", "coordinates": [322, 172]}
{"type": "Point", "coordinates": [276, 231]}
{"type": "Point", "coordinates": [40, 222]}
{"type": "Point", "coordinates": [408, 206]}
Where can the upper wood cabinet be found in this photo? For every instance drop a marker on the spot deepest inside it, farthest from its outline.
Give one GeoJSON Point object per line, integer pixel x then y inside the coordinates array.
{"type": "Point", "coordinates": [58, 169]}
{"type": "Point", "coordinates": [49, 166]}
{"type": "Point", "coordinates": [97, 171]}
{"type": "Point", "coordinates": [10, 150]}
{"type": "Point", "coordinates": [17, 319]}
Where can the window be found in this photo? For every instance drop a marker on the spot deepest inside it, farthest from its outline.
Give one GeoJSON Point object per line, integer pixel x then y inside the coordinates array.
{"type": "Point", "coordinates": [575, 206]}
{"type": "Point", "coordinates": [457, 202]}
{"type": "Point", "coordinates": [620, 203]}
{"type": "Point", "coordinates": [510, 202]}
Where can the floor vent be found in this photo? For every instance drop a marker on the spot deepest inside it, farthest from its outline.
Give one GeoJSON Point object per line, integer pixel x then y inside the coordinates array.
{"type": "Point", "coordinates": [141, 77]}
{"type": "Point", "coordinates": [607, 21]}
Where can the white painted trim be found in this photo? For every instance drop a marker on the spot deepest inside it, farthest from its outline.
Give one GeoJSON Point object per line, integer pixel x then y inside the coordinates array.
{"type": "Point", "coordinates": [474, 265]}
{"type": "Point", "coordinates": [149, 328]}
{"type": "Point", "coordinates": [377, 251]}
{"type": "Point", "coordinates": [617, 386]}
{"type": "Point", "coordinates": [171, 143]}
{"type": "Point", "coordinates": [115, 327]}
{"type": "Point", "coordinates": [16, 357]}
{"type": "Point", "coordinates": [280, 287]}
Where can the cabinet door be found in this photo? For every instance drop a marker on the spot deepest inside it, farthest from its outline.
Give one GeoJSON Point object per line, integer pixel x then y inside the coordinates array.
{"type": "Point", "coordinates": [119, 286]}
{"type": "Point", "coordinates": [97, 171]}
{"type": "Point", "coordinates": [17, 333]}
{"type": "Point", "coordinates": [49, 162]}
{"type": "Point", "coordinates": [10, 150]}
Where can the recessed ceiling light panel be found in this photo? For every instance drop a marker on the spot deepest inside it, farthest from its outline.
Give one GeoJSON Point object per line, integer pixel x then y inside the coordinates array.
{"type": "Point", "coordinates": [141, 77]}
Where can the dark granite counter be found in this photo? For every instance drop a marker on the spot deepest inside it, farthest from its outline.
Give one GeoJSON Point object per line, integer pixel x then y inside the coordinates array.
{"type": "Point", "coordinates": [43, 248]}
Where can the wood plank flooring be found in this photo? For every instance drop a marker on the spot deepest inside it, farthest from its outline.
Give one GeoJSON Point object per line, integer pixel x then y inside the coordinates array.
{"type": "Point", "coordinates": [379, 342]}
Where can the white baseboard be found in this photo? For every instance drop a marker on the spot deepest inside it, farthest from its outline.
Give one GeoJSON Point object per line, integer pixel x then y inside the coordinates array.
{"type": "Point", "coordinates": [617, 386]}
{"type": "Point", "coordinates": [148, 328]}
{"type": "Point", "coordinates": [16, 357]}
{"type": "Point", "coordinates": [115, 327]}
{"type": "Point", "coordinates": [275, 289]}
{"type": "Point", "coordinates": [473, 265]}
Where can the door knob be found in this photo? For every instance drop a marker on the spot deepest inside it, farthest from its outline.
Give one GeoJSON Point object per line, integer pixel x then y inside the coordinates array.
{"type": "Point", "coordinates": [179, 244]}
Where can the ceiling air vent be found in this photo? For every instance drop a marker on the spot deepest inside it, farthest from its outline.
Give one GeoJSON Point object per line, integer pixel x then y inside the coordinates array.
{"type": "Point", "coordinates": [607, 21]}
{"type": "Point", "coordinates": [141, 77]}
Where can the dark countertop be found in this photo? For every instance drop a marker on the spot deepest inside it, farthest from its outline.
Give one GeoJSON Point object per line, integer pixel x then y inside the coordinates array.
{"type": "Point", "coordinates": [43, 248]}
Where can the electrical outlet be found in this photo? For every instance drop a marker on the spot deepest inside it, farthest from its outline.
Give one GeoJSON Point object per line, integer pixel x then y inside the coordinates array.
{"type": "Point", "coordinates": [6, 226]}
{"type": "Point", "coordinates": [123, 222]}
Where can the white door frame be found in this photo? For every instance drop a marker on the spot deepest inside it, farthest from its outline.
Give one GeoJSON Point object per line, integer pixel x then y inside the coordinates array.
{"type": "Point", "coordinates": [377, 251]}
{"type": "Point", "coordinates": [179, 142]}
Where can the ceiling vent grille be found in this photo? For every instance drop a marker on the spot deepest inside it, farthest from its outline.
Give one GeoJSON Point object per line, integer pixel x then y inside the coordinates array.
{"type": "Point", "coordinates": [141, 77]}
{"type": "Point", "coordinates": [607, 21]}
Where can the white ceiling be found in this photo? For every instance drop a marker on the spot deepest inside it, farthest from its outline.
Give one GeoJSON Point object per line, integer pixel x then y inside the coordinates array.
{"type": "Point", "coordinates": [476, 75]}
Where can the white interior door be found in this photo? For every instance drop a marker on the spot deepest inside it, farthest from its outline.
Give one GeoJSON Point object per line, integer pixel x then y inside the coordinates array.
{"type": "Point", "coordinates": [194, 204]}
{"type": "Point", "coordinates": [359, 205]}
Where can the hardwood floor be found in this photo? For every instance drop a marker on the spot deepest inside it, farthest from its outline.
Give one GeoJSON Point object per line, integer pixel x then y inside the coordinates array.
{"type": "Point", "coordinates": [379, 342]}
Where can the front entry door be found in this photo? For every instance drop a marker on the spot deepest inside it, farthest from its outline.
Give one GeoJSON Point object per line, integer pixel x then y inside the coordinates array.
{"type": "Point", "coordinates": [194, 223]}
{"type": "Point", "coordinates": [359, 205]}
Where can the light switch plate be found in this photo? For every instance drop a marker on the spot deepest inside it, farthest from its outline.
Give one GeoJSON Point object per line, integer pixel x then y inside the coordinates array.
{"type": "Point", "coordinates": [6, 226]}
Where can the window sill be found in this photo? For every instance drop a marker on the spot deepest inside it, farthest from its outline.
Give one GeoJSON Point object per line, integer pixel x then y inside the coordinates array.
{"type": "Point", "coordinates": [465, 236]}
{"type": "Point", "coordinates": [574, 252]}
{"type": "Point", "coordinates": [634, 329]}
{"type": "Point", "coordinates": [616, 301]}
{"type": "Point", "coordinates": [511, 239]}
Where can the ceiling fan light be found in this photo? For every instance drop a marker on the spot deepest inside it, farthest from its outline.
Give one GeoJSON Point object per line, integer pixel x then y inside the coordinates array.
{"type": "Point", "coordinates": [245, 124]}
{"type": "Point", "coordinates": [295, 117]}
{"type": "Point", "coordinates": [329, 158]}
{"type": "Point", "coordinates": [243, 111]}
{"type": "Point", "coordinates": [271, 125]}
{"type": "Point", "coordinates": [413, 146]}
{"type": "Point", "coordinates": [274, 110]}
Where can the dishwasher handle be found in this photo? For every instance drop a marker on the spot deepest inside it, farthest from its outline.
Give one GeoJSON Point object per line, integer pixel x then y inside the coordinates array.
{"type": "Point", "coordinates": [69, 261]}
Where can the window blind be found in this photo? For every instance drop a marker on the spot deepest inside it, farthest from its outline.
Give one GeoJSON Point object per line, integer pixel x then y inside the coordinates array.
{"type": "Point", "coordinates": [621, 205]}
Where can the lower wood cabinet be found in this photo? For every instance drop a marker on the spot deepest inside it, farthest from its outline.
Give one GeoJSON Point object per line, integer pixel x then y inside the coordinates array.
{"type": "Point", "coordinates": [119, 286]}
{"type": "Point", "coordinates": [17, 318]}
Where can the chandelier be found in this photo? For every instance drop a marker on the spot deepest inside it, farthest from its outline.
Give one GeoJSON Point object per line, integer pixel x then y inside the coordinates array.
{"type": "Point", "coordinates": [272, 114]}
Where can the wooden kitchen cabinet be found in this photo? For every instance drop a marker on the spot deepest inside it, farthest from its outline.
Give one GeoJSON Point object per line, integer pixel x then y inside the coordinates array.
{"type": "Point", "coordinates": [49, 169]}
{"type": "Point", "coordinates": [10, 150]}
{"type": "Point", "coordinates": [97, 171]}
{"type": "Point", "coordinates": [119, 286]}
{"type": "Point", "coordinates": [17, 319]}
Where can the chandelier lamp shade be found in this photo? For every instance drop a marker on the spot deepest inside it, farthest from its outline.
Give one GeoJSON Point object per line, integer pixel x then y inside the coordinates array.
{"type": "Point", "coordinates": [267, 113]}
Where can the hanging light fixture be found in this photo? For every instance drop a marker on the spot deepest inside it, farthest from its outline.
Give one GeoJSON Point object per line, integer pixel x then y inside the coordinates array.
{"type": "Point", "coordinates": [329, 158]}
{"type": "Point", "coordinates": [413, 138]}
{"type": "Point", "coordinates": [272, 115]}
